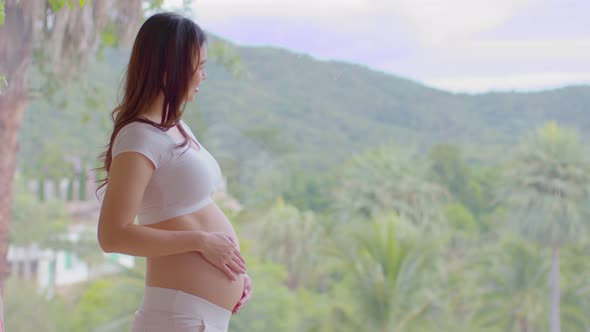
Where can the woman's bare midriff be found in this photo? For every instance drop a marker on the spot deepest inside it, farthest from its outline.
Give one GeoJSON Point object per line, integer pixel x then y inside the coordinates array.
{"type": "Point", "coordinates": [190, 272]}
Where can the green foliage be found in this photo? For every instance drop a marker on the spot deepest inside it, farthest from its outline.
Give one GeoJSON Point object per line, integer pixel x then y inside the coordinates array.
{"type": "Point", "coordinates": [70, 192]}
{"type": "Point", "coordinates": [387, 179]}
{"type": "Point", "coordinates": [49, 164]}
{"type": "Point", "coordinates": [308, 191]}
{"type": "Point", "coordinates": [290, 238]}
{"type": "Point", "coordinates": [513, 279]}
{"type": "Point", "coordinates": [472, 187]}
{"type": "Point", "coordinates": [271, 306]}
{"type": "Point", "coordinates": [574, 284]}
{"type": "Point", "coordinates": [59, 4]}
{"type": "Point", "coordinates": [71, 122]}
{"type": "Point", "coordinates": [461, 219]}
{"type": "Point", "coordinates": [227, 56]}
{"type": "Point", "coordinates": [109, 37]}
{"type": "Point", "coordinates": [392, 276]}
{"type": "Point", "coordinates": [459, 289]}
{"type": "Point", "coordinates": [94, 310]}
{"type": "Point", "coordinates": [154, 4]}
{"type": "Point", "coordinates": [3, 82]}
{"type": "Point", "coordinates": [270, 138]}
{"type": "Point", "coordinates": [25, 309]}
{"type": "Point", "coordinates": [313, 309]}
{"type": "Point", "coordinates": [2, 15]}
{"type": "Point", "coordinates": [548, 187]}
{"type": "Point", "coordinates": [33, 221]}
{"type": "Point", "coordinates": [83, 180]}
{"type": "Point", "coordinates": [479, 195]}
{"type": "Point", "coordinates": [449, 168]}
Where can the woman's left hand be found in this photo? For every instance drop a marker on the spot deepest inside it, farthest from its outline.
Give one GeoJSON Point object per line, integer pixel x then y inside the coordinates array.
{"type": "Point", "coordinates": [246, 294]}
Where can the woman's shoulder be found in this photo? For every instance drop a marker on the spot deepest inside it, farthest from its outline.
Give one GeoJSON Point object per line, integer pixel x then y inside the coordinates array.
{"type": "Point", "coordinates": [141, 131]}
{"type": "Point", "coordinates": [140, 128]}
{"type": "Point", "coordinates": [143, 138]}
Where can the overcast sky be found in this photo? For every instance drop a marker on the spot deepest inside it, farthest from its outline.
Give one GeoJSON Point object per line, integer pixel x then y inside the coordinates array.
{"type": "Point", "coordinates": [456, 45]}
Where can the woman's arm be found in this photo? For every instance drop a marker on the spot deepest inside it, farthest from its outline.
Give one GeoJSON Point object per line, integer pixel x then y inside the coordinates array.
{"type": "Point", "coordinates": [128, 177]}
{"type": "Point", "coordinates": [136, 240]}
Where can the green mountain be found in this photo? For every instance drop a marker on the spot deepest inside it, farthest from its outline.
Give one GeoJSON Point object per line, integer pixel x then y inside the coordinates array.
{"type": "Point", "coordinates": [288, 106]}
{"type": "Point", "coordinates": [336, 108]}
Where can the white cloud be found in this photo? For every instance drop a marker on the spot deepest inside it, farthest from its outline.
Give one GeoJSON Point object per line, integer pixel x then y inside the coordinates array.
{"type": "Point", "coordinates": [532, 81]}
{"type": "Point", "coordinates": [479, 66]}
{"type": "Point", "coordinates": [534, 50]}
{"type": "Point", "coordinates": [436, 41]}
{"type": "Point", "coordinates": [223, 10]}
{"type": "Point", "coordinates": [436, 21]}
{"type": "Point", "coordinates": [432, 21]}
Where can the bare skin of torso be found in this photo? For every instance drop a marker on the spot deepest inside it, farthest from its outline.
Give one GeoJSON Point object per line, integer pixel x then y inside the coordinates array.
{"type": "Point", "coordinates": [190, 272]}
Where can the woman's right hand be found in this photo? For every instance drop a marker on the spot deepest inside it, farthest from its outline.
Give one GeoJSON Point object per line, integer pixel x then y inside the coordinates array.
{"type": "Point", "coordinates": [220, 250]}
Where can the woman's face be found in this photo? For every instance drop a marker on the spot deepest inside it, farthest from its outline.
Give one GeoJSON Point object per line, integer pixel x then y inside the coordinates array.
{"type": "Point", "coordinates": [199, 75]}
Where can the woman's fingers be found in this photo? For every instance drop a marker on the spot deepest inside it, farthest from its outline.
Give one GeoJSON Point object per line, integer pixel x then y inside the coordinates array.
{"type": "Point", "coordinates": [247, 295]}
{"type": "Point", "coordinates": [237, 252]}
{"type": "Point", "coordinates": [222, 251]}
{"type": "Point", "coordinates": [235, 267]}
{"type": "Point", "coordinates": [248, 282]}
{"type": "Point", "coordinates": [238, 261]}
{"type": "Point", "coordinates": [232, 240]}
{"type": "Point", "coordinates": [228, 272]}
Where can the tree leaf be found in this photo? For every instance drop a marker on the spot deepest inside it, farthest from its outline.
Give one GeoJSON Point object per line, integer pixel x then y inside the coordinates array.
{"type": "Point", "coordinates": [57, 4]}
{"type": "Point", "coordinates": [109, 36]}
{"type": "Point", "coordinates": [2, 13]}
{"type": "Point", "coordinates": [3, 82]}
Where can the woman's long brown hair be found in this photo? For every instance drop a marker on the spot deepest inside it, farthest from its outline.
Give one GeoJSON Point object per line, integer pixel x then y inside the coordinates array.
{"type": "Point", "coordinates": [161, 61]}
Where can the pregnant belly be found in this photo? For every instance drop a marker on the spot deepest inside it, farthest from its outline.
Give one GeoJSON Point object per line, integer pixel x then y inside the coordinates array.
{"type": "Point", "coordinates": [191, 272]}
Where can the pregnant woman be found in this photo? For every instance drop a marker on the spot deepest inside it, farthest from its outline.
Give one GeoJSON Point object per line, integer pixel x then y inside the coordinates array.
{"type": "Point", "coordinates": [158, 171]}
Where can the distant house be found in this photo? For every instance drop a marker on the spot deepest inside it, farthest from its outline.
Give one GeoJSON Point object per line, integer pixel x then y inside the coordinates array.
{"type": "Point", "coordinates": [52, 269]}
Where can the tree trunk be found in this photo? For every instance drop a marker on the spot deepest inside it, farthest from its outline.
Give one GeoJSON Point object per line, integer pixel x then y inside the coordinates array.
{"type": "Point", "coordinates": [15, 58]}
{"type": "Point", "coordinates": [555, 294]}
{"type": "Point", "coordinates": [11, 111]}
{"type": "Point", "coordinates": [25, 19]}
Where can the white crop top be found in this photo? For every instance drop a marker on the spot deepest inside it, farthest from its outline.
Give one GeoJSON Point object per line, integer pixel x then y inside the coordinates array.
{"type": "Point", "coordinates": [183, 180]}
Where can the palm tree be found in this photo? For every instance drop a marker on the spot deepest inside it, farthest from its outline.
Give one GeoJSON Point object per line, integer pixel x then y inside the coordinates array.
{"type": "Point", "coordinates": [576, 296]}
{"type": "Point", "coordinates": [513, 279]}
{"type": "Point", "coordinates": [392, 278]}
{"type": "Point", "coordinates": [388, 179]}
{"type": "Point", "coordinates": [287, 236]}
{"type": "Point", "coordinates": [545, 188]}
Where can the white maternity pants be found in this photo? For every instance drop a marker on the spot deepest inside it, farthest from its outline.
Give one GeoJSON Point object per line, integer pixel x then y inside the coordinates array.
{"type": "Point", "coordinates": [171, 310]}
